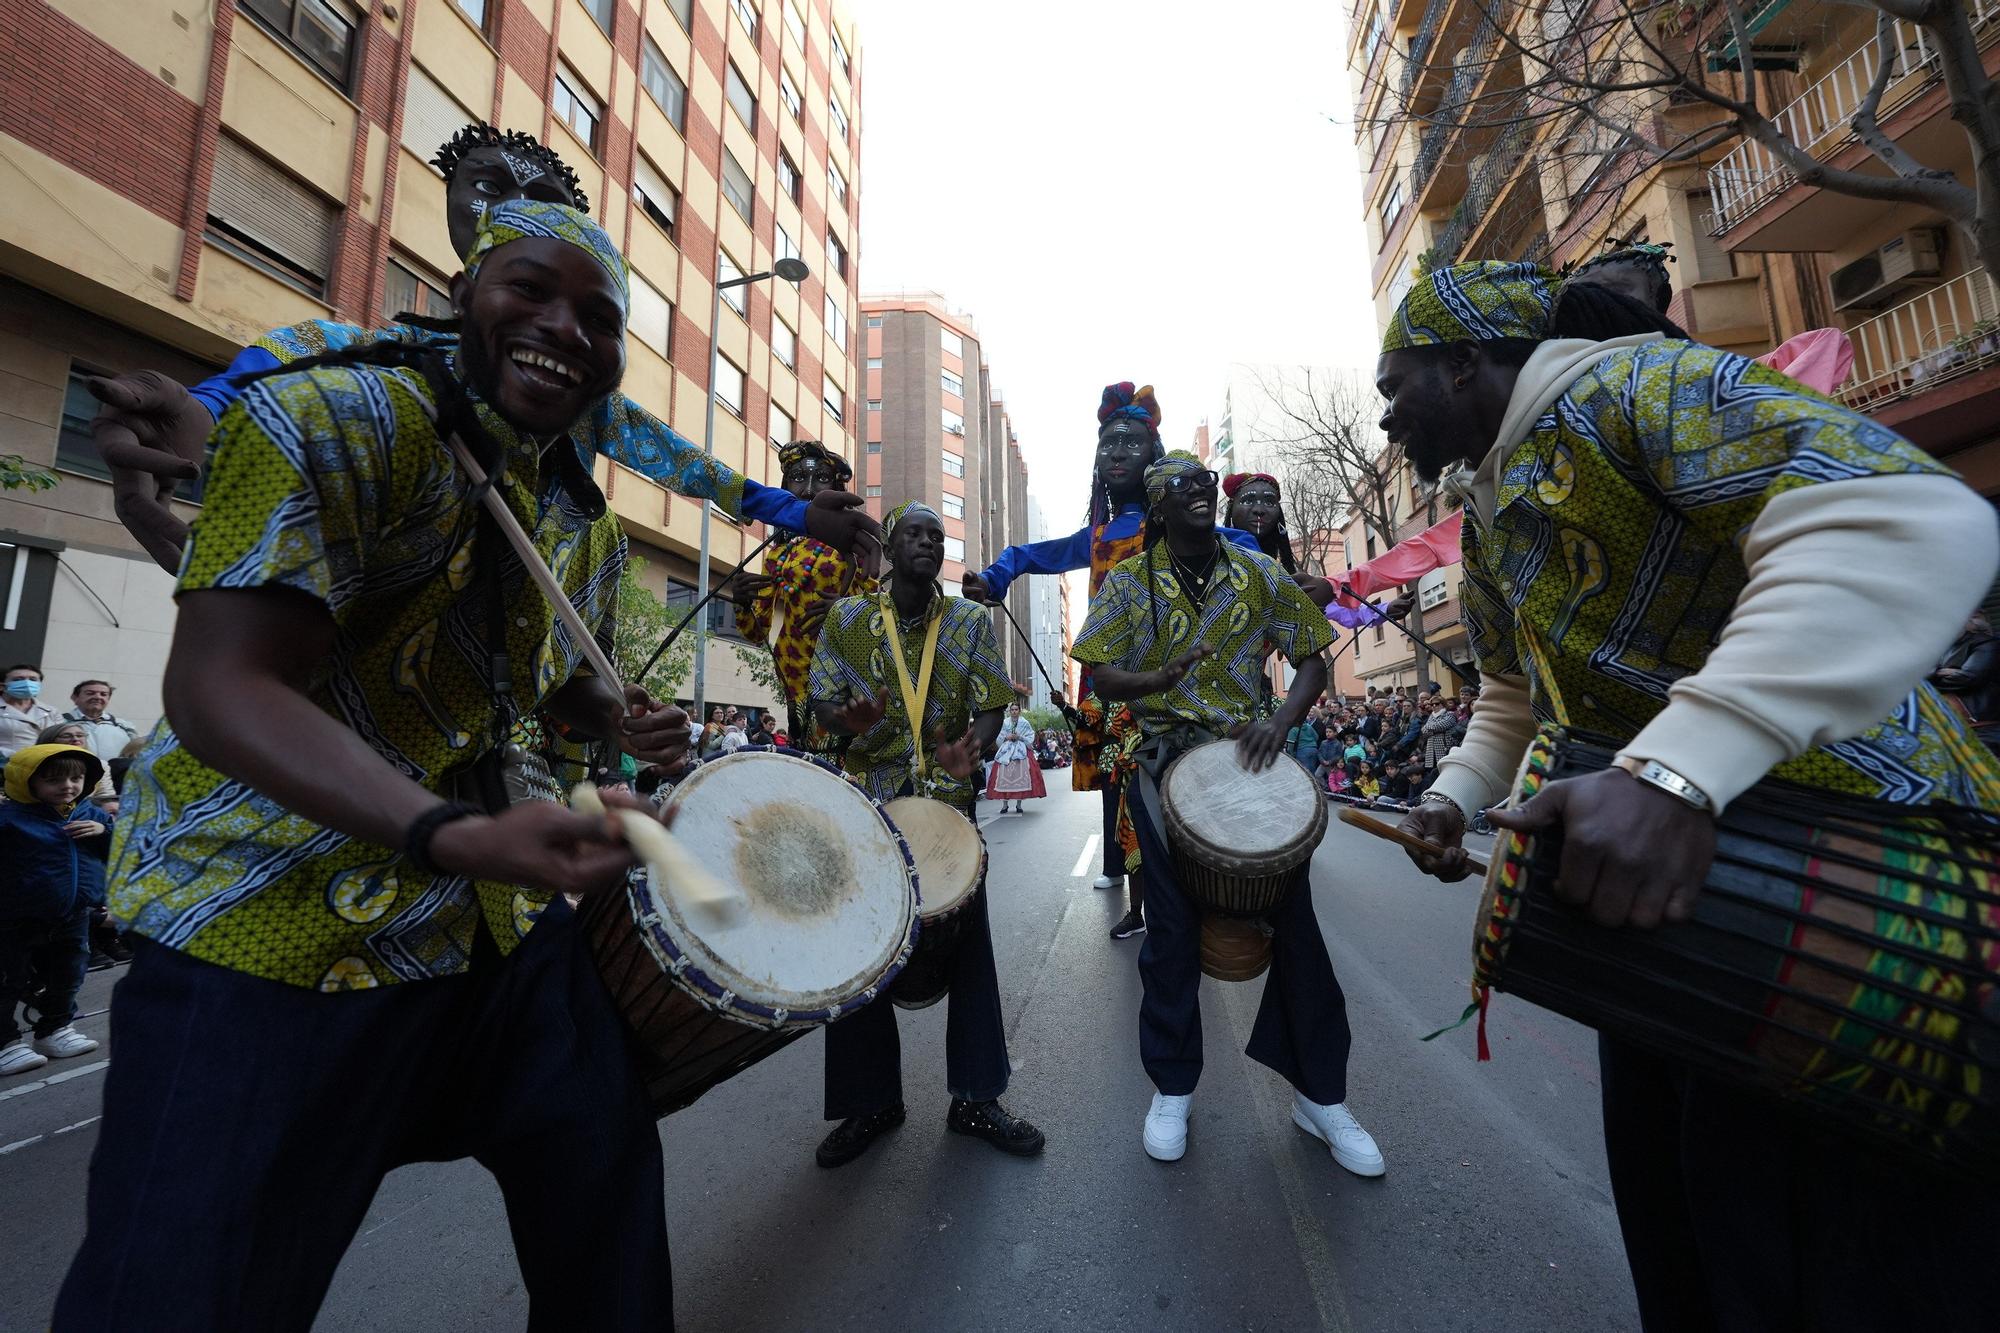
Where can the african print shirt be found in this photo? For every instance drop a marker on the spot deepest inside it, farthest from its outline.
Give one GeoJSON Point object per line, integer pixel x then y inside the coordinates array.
{"type": "Point", "coordinates": [617, 427]}
{"type": "Point", "coordinates": [1141, 619]}
{"type": "Point", "coordinates": [1615, 556]}
{"type": "Point", "coordinates": [802, 571]}
{"type": "Point", "coordinates": [967, 677]}
{"type": "Point", "coordinates": [333, 482]}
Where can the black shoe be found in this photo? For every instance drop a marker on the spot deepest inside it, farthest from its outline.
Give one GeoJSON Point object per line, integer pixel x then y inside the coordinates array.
{"type": "Point", "coordinates": [99, 961]}
{"type": "Point", "coordinates": [1132, 923]}
{"type": "Point", "coordinates": [851, 1137]}
{"type": "Point", "coordinates": [996, 1124]}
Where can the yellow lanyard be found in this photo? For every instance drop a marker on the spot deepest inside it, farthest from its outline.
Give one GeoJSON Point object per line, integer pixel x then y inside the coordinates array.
{"type": "Point", "coordinates": [917, 694]}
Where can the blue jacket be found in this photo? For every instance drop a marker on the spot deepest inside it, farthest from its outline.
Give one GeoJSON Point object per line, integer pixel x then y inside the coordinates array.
{"type": "Point", "coordinates": [1062, 554]}
{"type": "Point", "coordinates": [45, 874]}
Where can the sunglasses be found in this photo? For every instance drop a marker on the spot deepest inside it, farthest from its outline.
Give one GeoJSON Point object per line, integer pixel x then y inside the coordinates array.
{"type": "Point", "coordinates": [1182, 482]}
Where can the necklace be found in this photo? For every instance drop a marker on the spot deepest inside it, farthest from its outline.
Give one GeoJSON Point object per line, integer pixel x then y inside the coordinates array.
{"type": "Point", "coordinates": [1195, 585]}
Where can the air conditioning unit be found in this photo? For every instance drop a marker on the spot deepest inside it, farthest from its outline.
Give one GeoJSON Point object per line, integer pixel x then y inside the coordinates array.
{"type": "Point", "coordinates": [1913, 259]}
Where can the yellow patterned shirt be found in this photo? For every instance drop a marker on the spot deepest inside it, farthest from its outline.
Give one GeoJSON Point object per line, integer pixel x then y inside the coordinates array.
{"type": "Point", "coordinates": [334, 483]}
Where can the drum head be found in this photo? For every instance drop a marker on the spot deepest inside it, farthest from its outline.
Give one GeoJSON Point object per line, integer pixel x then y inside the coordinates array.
{"type": "Point", "coordinates": [827, 879]}
{"type": "Point", "coordinates": [1234, 818]}
{"type": "Point", "coordinates": [949, 852]}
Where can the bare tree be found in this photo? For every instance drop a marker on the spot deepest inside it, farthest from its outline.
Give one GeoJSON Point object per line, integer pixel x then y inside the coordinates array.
{"type": "Point", "coordinates": [1599, 92]}
{"type": "Point", "coordinates": [1335, 462]}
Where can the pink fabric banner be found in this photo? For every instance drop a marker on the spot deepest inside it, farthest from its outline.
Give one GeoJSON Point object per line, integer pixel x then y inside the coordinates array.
{"type": "Point", "coordinates": [1820, 359]}
{"type": "Point", "coordinates": [1412, 558]}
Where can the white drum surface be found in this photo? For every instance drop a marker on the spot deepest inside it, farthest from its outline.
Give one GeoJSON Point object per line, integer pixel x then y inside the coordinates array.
{"type": "Point", "coordinates": [947, 849]}
{"type": "Point", "coordinates": [1219, 802]}
{"type": "Point", "coordinates": [830, 895]}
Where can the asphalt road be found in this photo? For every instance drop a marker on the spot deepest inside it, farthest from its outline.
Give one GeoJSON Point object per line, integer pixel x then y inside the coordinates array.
{"type": "Point", "coordinates": [1494, 1214]}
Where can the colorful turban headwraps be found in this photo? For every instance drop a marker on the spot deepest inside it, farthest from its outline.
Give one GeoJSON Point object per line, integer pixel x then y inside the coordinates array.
{"type": "Point", "coordinates": [800, 451]}
{"type": "Point", "coordinates": [519, 219]}
{"type": "Point", "coordinates": [907, 509]}
{"type": "Point", "coordinates": [1124, 400]}
{"type": "Point", "coordinates": [1476, 302]}
{"type": "Point", "coordinates": [1236, 481]}
{"type": "Point", "coordinates": [1178, 463]}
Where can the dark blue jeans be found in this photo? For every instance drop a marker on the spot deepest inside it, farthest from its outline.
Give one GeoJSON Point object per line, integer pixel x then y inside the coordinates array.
{"type": "Point", "coordinates": [1114, 855]}
{"type": "Point", "coordinates": [248, 1123]}
{"type": "Point", "coordinates": [42, 965]}
{"type": "Point", "coordinates": [1301, 1028]}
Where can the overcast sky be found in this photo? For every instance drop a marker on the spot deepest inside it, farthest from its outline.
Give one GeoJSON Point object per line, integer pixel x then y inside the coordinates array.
{"type": "Point", "coordinates": [1115, 191]}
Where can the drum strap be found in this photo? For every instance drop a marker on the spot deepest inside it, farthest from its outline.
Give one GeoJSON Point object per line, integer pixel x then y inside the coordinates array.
{"type": "Point", "coordinates": [915, 694]}
{"type": "Point", "coordinates": [1154, 755]}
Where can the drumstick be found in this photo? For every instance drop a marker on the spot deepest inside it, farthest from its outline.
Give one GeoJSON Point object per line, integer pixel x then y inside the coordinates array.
{"type": "Point", "coordinates": [1409, 841]}
{"type": "Point", "coordinates": [510, 528]}
{"type": "Point", "coordinates": [666, 858]}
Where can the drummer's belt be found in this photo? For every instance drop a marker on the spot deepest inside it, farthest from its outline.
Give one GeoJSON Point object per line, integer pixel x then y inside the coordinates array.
{"type": "Point", "coordinates": [1154, 754]}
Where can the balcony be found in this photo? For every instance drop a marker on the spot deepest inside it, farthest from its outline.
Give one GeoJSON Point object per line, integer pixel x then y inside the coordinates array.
{"type": "Point", "coordinates": [1949, 332]}
{"type": "Point", "coordinates": [1750, 177]}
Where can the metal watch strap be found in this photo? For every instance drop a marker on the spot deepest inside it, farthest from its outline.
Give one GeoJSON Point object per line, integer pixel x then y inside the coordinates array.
{"type": "Point", "coordinates": [1439, 798]}
{"type": "Point", "coordinates": [1656, 774]}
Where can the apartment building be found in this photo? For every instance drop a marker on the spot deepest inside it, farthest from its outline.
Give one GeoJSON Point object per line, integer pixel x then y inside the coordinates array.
{"type": "Point", "coordinates": [1048, 616]}
{"type": "Point", "coordinates": [179, 179]}
{"type": "Point", "coordinates": [937, 432]}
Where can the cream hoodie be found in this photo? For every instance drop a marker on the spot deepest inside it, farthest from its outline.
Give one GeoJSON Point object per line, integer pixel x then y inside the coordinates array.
{"type": "Point", "coordinates": [1855, 589]}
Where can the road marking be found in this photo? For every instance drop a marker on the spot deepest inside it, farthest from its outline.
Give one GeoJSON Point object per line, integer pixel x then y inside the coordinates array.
{"type": "Point", "coordinates": [54, 1079]}
{"type": "Point", "coordinates": [19, 1144]}
{"type": "Point", "coordinates": [1089, 855]}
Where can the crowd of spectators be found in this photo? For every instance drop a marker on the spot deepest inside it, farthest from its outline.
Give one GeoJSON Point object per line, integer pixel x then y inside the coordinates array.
{"type": "Point", "coordinates": [1384, 747]}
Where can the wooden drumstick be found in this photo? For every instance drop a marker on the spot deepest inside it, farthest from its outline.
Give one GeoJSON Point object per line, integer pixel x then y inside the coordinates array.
{"type": "Point", "coordinates": [1408, 841]}
{"type": "Point", "coordinates": [510, 528]}
{"type": "Point", "coordinates": [667, 858]}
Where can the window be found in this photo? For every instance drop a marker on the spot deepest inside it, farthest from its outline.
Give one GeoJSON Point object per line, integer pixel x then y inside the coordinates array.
{"type": "Point", "coordinates": [785, 342]}
{"type": "Point", "coordinates": [684, 11]}
{"type": "Point", "coordinates": [874, 363]}
{"type": "Point", "coordinates": [663, 85]}
{"type": "Point", "coordinates": [952, 343]}
{"type": "Point", "coordinates": [741, 100]}
{"type": "Point", "coordinates": [836, 255]}
{"type": "Point", "coordinates": [76, 446]}
{"type": "Point", "coordinates": [1392, 202]}
{"type": "Point", "coordinates": [785, 247]}
{"type": "Point", "coordinates": [265, 218]}
{"type": "Point", "coordinates": [651, 320]}
{"type": "Point", "coordinates": [874, 492]}
{"type": "Point", "coordinates": [875, 446]}
{"type": "Point", "coordinates": [577, 108]}
{"type": "Point", "coordinates": [320, 31]}
{"type": "Point", "coordinates": [874, 404]}
{"type": "Point", "coordinates": [788, 177]}
{"type": "Point", "coordinates": [954, 424]}
{"type": "Point", "coordinates": [795, 25]}
{"type": "Point", "coordinates": [1374, 39]}
{"type": "Point", "coordinates": [736, 187]}
{"type": "Point", "coordinates": [746, 14]}
{"type": "Point", "coordinates": [874, 321]}
{"type": "Point", "coordinates": [954, 464]}
{"type": "Point", "coordinates": [737, 298]}
{"type": "Point", "coordinates": [954, 506]}
{"type": "Point", "coordinates": [951, 383]}
{"type": "Point", "coordinates": [838, 118]}
{"type": "Point", "coordinates": [474, 10]}
{"type": "Point", "coordinates": [788, 93]}
{"type": "Point", "coordinates": [430, 117]}
{"type": "Point", "coordinates": [729, 384]}
{"type": "Point", "coordinates": [835, 400]}
{"type": "Point", "coordinates": [655, 198]}
{"type": "Point", "coordinates": [836, 321]}
{"type": "Point", "coordinates": [780, 432]}
{"type": "Point", "coordinates": [954, 549]}
{"type": "Point", "coordinates": [603, 11]}
{"type": "Point", "coordinates": [840, 55]}
{"type": "Point", "coordinates": [836, 183]}
{"type": "Point", "coordinates": [403, 291]}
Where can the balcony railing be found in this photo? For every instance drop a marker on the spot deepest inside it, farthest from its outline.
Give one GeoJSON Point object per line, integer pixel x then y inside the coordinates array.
{"type": "Point", "coordinates": [1456, 109]}
{"type": "Point", "coordinates": [1949, 331]}
{"type": "Point", "coordinates": [1818, 121]}
{"type": "Point", "coordinates": [1488, 175]}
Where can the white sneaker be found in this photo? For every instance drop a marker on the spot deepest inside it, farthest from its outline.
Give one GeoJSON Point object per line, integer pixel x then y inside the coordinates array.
{"type": "Point", "coordinates": [1353, 1147]}
{"type": "Point", "coordinates": [1109, 882]}
{"type": "Point", "coordinates": [1166, 1127]}
{"type": "Point", "coordinates": [17, 1057]}
{"type": "Point", "coordinates": [64, 1043]}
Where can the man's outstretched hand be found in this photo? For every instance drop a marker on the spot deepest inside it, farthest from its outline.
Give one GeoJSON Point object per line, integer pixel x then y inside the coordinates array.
{"type": "Point", "coordinates": [959, 757]}
{"type": "Point", "coordinates": [838, 519]}
{"type": "Point", "coordinates": [151, 433]}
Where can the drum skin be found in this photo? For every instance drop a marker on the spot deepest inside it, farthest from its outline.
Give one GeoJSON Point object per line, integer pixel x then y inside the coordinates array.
{"type": "Point", "coordinates": [830, 920]}
{"type": "Point", "coordinates": [1239, 837]}
{"type": "Point", "coordinates": [950, 857]}
{"type": "Point", "coordinates": [1844, 955]}
{"type": "Point", "coordinates": [1234, 948]}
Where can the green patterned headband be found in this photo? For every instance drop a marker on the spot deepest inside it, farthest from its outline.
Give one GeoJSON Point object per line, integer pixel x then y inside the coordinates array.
{"type": "Point", "coordinates": [1477, 302]}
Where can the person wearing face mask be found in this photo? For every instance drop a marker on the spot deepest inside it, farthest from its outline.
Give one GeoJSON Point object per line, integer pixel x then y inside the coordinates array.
{"type": "Point", "coordinates": [23, 715]}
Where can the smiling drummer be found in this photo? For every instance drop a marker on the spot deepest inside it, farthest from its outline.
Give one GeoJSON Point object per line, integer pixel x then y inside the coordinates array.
{"type": "Point", "coordinates": [1181, 631]}
{"type": "Point", "coordinates": [912, 652]}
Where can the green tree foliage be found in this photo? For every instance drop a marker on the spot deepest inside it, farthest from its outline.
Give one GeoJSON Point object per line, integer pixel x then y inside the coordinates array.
{"type": "Point", "coordinates": [18, 474]}
{"type": "Point", "coordinates": [642, 621]}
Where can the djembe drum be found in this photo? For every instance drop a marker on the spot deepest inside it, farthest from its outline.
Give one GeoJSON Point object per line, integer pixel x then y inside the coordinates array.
{"type": "Point", "coordinates": [951, 873]}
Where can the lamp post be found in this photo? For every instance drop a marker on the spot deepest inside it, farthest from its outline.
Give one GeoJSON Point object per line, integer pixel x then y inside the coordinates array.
{"type": "Point", "coordinates": [792, 270]}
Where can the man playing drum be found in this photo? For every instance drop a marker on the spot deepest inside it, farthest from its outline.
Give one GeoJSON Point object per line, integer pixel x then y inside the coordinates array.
{"type": "Point", "coordinates": [1729, 576]}
{"type": "Point", "coordinates": [336, 973]}
{"type": "Point", "coordinates": [1181, 631]}
{"type": "Point", "coordinates": [916, 678]}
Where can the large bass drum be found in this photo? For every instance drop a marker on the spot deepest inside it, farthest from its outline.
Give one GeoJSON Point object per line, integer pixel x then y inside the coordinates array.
{"type": "Point", "coordinates": [830, 920]}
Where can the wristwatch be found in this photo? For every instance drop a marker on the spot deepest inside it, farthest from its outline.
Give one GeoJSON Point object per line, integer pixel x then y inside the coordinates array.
{"type": "Point", "coordinates": [1656, 774]}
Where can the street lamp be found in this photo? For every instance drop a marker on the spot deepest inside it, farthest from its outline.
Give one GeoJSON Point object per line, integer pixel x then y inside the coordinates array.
{"type": "Point", "coordinates": [794, 271]}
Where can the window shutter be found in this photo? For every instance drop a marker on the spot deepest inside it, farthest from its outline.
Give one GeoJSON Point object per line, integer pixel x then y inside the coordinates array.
{"type": "Point", "coordinates": [430, 116]}
{"type": "Point", "coordinates": [252, 197]}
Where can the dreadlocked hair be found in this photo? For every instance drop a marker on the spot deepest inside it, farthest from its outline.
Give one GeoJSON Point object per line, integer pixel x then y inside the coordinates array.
{"type": "Point", "coordinates": [389, 352]}
{"type": "Point", "coordinates": [1650, 260]}
{"type": "Point", "coordinates": [481, 135]}
{"type": "Point", "coordinates": [1587, 310]}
